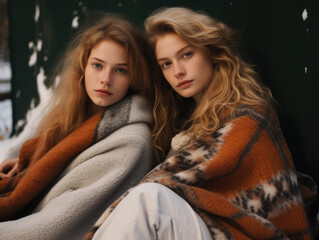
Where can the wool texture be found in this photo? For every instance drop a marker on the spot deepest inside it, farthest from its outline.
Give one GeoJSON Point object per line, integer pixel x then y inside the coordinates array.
{"type": "Point", "coordinates": [68, 188]}
{"type": "Point", "coordinates": [241, 179]}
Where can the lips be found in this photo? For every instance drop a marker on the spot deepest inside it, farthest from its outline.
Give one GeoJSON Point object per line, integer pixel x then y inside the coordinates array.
{"type": "Point", "coordinates": [184, 83]}
{"type": "Point", "coordinates": [103, 92]}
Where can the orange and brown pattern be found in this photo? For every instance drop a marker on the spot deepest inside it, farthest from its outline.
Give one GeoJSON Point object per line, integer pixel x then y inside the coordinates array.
{"type": "Point", "coordinates": [241, 179]}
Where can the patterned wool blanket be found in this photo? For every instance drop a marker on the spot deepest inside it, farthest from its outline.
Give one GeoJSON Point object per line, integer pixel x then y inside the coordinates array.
{"type": "Point", "coordinates": [69, 187]}
{"type": "Point", "coordinates": [240, 179]}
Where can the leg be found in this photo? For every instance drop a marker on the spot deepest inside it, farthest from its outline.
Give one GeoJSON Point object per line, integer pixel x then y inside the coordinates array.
{"type": "Point", "coordinates": [152, 211]}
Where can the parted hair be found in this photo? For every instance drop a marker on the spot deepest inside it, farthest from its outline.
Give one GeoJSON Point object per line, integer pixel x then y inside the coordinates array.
{"type": "Point", "coordinates": [234, 81]}
{"type": "Point", "coordinates": [70, 103]}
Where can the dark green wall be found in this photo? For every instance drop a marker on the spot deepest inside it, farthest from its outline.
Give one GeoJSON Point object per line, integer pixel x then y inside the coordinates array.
{"type": "Point", "coordinates": [274, 36]}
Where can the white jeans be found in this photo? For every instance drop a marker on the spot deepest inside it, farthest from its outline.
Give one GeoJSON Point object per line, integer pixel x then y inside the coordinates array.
{"type": "Point", "coordinates": [152, 211]}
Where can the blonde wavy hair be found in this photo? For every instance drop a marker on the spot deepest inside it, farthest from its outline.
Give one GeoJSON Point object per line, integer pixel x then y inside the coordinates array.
{"type": "Point", "coordinates": [234, 82]}
{"type": "Point", "coordinates": [71, 105]}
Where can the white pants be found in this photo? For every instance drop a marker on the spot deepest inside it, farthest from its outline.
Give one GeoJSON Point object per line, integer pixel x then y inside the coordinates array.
{"type": "Point", "coordinates": [152, 211]}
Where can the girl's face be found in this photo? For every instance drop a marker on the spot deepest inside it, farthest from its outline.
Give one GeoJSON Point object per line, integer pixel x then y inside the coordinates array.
{"type": "Point", "coordinates": [106, 74]}
{"type": "Point", "coordinates": [186, 68]}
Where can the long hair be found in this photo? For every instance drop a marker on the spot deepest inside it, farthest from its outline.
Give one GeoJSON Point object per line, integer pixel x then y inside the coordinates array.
{"type": "Point", "coordinates": [70, 104]}
{"type": "Point", "coordinates": [234, 82]}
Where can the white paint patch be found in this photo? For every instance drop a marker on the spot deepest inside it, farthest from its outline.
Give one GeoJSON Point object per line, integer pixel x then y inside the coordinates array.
{"type": "Point", "coordinates": [45, 58]}
{"type": "Point", "coordinates": [40, 83]}
{"type": "Point", "coordinates": [18, 93]}
{"type": "Point", "coordinates": [75, 22]}
{"type": "Point", "coordinates": [120, 4]}
{"type": "Point", "coordinates": [20, 123]}
{"type": "Point", "coordinates": [33, 58]}
{"type": "Point", "coordinates": [306, 70]}
{"type": "Point", "coordinates": [39, 45]}
{"type": "Point", "coordinates": [37, 13]}
{"type": "Point", "coordinates": [304, 15]}
{"type": "Point", "coordinates": [30, 45]}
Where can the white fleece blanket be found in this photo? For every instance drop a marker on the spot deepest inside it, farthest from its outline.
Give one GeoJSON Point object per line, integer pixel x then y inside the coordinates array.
{"type": "Point", "coordinates": [91, 182]}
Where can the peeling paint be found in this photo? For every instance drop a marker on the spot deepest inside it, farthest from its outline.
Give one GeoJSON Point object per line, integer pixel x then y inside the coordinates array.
{"type": "Point", "coordinates": [75, 22]}
{"type": "Point", "coordinates": [30, 45]}
{"type": "Point", "coordinates": [33, 58]}
{"type": "Point", "coordinates": [40, 84]}
{"type": "Point", "coordinates": [304, 15]}
{"type": "Point", "coordinates": [18, 93]}
{"type": "Point", "coordinates": [39, 45]}
{"type": "Point", "coordinates": [20, 123]}
{"type": "Point", "coordinates": [37, 13]}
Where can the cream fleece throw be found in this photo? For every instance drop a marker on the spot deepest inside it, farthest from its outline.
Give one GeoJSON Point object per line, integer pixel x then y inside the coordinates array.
{"type": "Point", "coordinates": [80, 176]}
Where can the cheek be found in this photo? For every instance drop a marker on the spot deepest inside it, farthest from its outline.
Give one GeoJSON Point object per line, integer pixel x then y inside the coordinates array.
{"type": "Point", "coordinates": [168, 76]}
{"type": "Point", "coordinates": [86, 81]}
{"type": "Point", "coordinates": [124, 86]}
{"type": "Point", "coordinates": [205, 69]}
{"type": "Point", "coordinates": [86, 76]}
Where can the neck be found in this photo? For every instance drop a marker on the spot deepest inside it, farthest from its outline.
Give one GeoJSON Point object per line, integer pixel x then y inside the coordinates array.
{"type": "Point", "coordinates": [94, 109]}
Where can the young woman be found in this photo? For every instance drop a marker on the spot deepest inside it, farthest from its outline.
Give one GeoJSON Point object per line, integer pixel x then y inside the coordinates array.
{"type": "Point", "coordinates": [93, 144]}
{"type": "Point", "coordinates": [229, 173]}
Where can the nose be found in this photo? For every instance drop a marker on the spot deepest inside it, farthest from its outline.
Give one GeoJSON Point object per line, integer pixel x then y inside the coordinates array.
{"type": "Point", "coordinates": [106, 77]}
{"type": "Point", "coordinates": [179, 70]}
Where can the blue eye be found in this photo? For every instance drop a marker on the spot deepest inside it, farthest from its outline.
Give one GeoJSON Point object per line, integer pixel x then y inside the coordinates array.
{"type": "Point", "coordinates": [187, 55]}
{"type": "Point", "coordinates": [97, 65]}
{"type": "Point", "coordinates": [121, 70]}
{"type": "Point", "coordinates": [165, 65]}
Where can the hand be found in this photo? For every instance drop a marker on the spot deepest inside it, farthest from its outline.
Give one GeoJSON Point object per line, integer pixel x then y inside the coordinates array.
{"type": "Point", "coordinates": [8, 168]}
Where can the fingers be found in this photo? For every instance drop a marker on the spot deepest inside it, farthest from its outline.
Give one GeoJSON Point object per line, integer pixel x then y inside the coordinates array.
{"type": "Point", "coordinates": [8, 168]}
{"type": "Point", "coordinates": [2, 175]}
{"type": "Point", "coordinates": [13, 171]}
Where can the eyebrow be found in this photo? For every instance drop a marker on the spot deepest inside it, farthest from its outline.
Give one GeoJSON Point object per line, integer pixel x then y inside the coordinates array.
{"type": "Point", "coordinates": [100, 60]}
{"type": "Point", "coordinates": [178, 52]}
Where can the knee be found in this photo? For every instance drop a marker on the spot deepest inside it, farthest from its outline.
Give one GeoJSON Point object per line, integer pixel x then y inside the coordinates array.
{"type": "Point", "coordinates": [148, 191]}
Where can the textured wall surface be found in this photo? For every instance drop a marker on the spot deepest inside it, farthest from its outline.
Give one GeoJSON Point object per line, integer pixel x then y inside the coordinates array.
{"type": "Point", "coordinates": [279, 36]}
